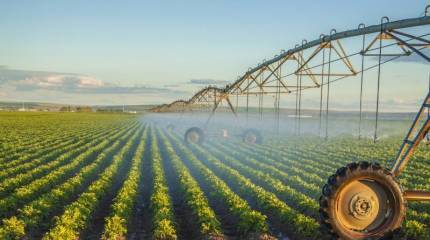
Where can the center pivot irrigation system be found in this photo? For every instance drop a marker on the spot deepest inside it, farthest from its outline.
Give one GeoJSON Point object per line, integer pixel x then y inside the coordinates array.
{"type": "Point", "coordinates": [361, 200]}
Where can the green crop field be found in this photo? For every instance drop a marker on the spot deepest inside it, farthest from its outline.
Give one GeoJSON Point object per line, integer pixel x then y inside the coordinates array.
{"type": "Point", "coordinates": [116, 176]}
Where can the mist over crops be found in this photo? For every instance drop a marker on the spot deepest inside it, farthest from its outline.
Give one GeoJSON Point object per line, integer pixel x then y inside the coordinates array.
{"type": "Point", "coordinates": [287, 124]}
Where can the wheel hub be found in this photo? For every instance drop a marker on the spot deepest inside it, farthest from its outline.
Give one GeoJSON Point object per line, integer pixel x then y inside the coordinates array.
{"type": "Point", "coordinates": [361, 206]}
{"type": "Point", "coordinates": [193, 137]}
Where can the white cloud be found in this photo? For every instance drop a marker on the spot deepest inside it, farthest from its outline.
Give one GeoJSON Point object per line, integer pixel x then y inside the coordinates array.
{"type": "Point", "coordinates": [90, 82]}
{"type": "Point", "coordinates": [24, 80]}
{"type": "Point", "coordinates": [22, 85]}
{"type": "Point", "coordinates": [54, 81]}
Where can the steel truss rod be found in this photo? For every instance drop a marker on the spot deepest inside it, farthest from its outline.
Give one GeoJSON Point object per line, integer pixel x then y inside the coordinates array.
{"type": "Point", "coordinates": [410, 46]}
{"type": "Point", "coordinates": [328, 95]}
{"type": "Point", "coordinates": [417, 132]}
{"type": "Point", "coordinates": [216, 105]}
{"type": "Point", "coordinates": [361, 85]}
{"type": "Point", "coordinates": [340, 52]}
{"type": "Point", "coordinates": [357, 53]}
{"type": "Point", "coordinates": [426, 42]}
{"type": "Point", "coordinates": [321, 93]}
{"type": "Point", "coordinates": [385, 36]}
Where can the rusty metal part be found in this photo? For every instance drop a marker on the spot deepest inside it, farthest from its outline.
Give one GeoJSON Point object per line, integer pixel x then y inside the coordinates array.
{"type": "Point", "coordinates": [413, 195]}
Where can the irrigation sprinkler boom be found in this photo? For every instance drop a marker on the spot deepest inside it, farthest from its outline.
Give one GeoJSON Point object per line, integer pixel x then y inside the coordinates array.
{"type": "Point", "coordinates": [361, 200]}
{"type": "Point", "coordinates": [253, 77]}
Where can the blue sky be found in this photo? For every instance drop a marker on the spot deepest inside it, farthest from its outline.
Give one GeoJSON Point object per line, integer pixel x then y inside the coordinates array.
{"type": "Point", "coordinates": [155, 51]}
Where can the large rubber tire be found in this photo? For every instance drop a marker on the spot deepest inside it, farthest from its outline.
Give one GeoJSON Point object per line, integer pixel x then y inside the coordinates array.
{"type": "Point", "coordinates": [252, 136]}
{"type": "Point", "coordinates": [351, 205]}
{"type": "Point", "coordinates": [194, 135]}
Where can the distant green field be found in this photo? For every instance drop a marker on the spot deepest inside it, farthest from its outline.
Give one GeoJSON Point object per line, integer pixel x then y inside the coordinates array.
{"type": "Point", "coordinates": [116, 176]}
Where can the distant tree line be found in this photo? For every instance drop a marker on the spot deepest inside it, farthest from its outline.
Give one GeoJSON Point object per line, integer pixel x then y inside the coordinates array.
{"type": "Point", "coordinates": [76, 109]}
{"type": "Point", "coordinates": [109, 110]}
